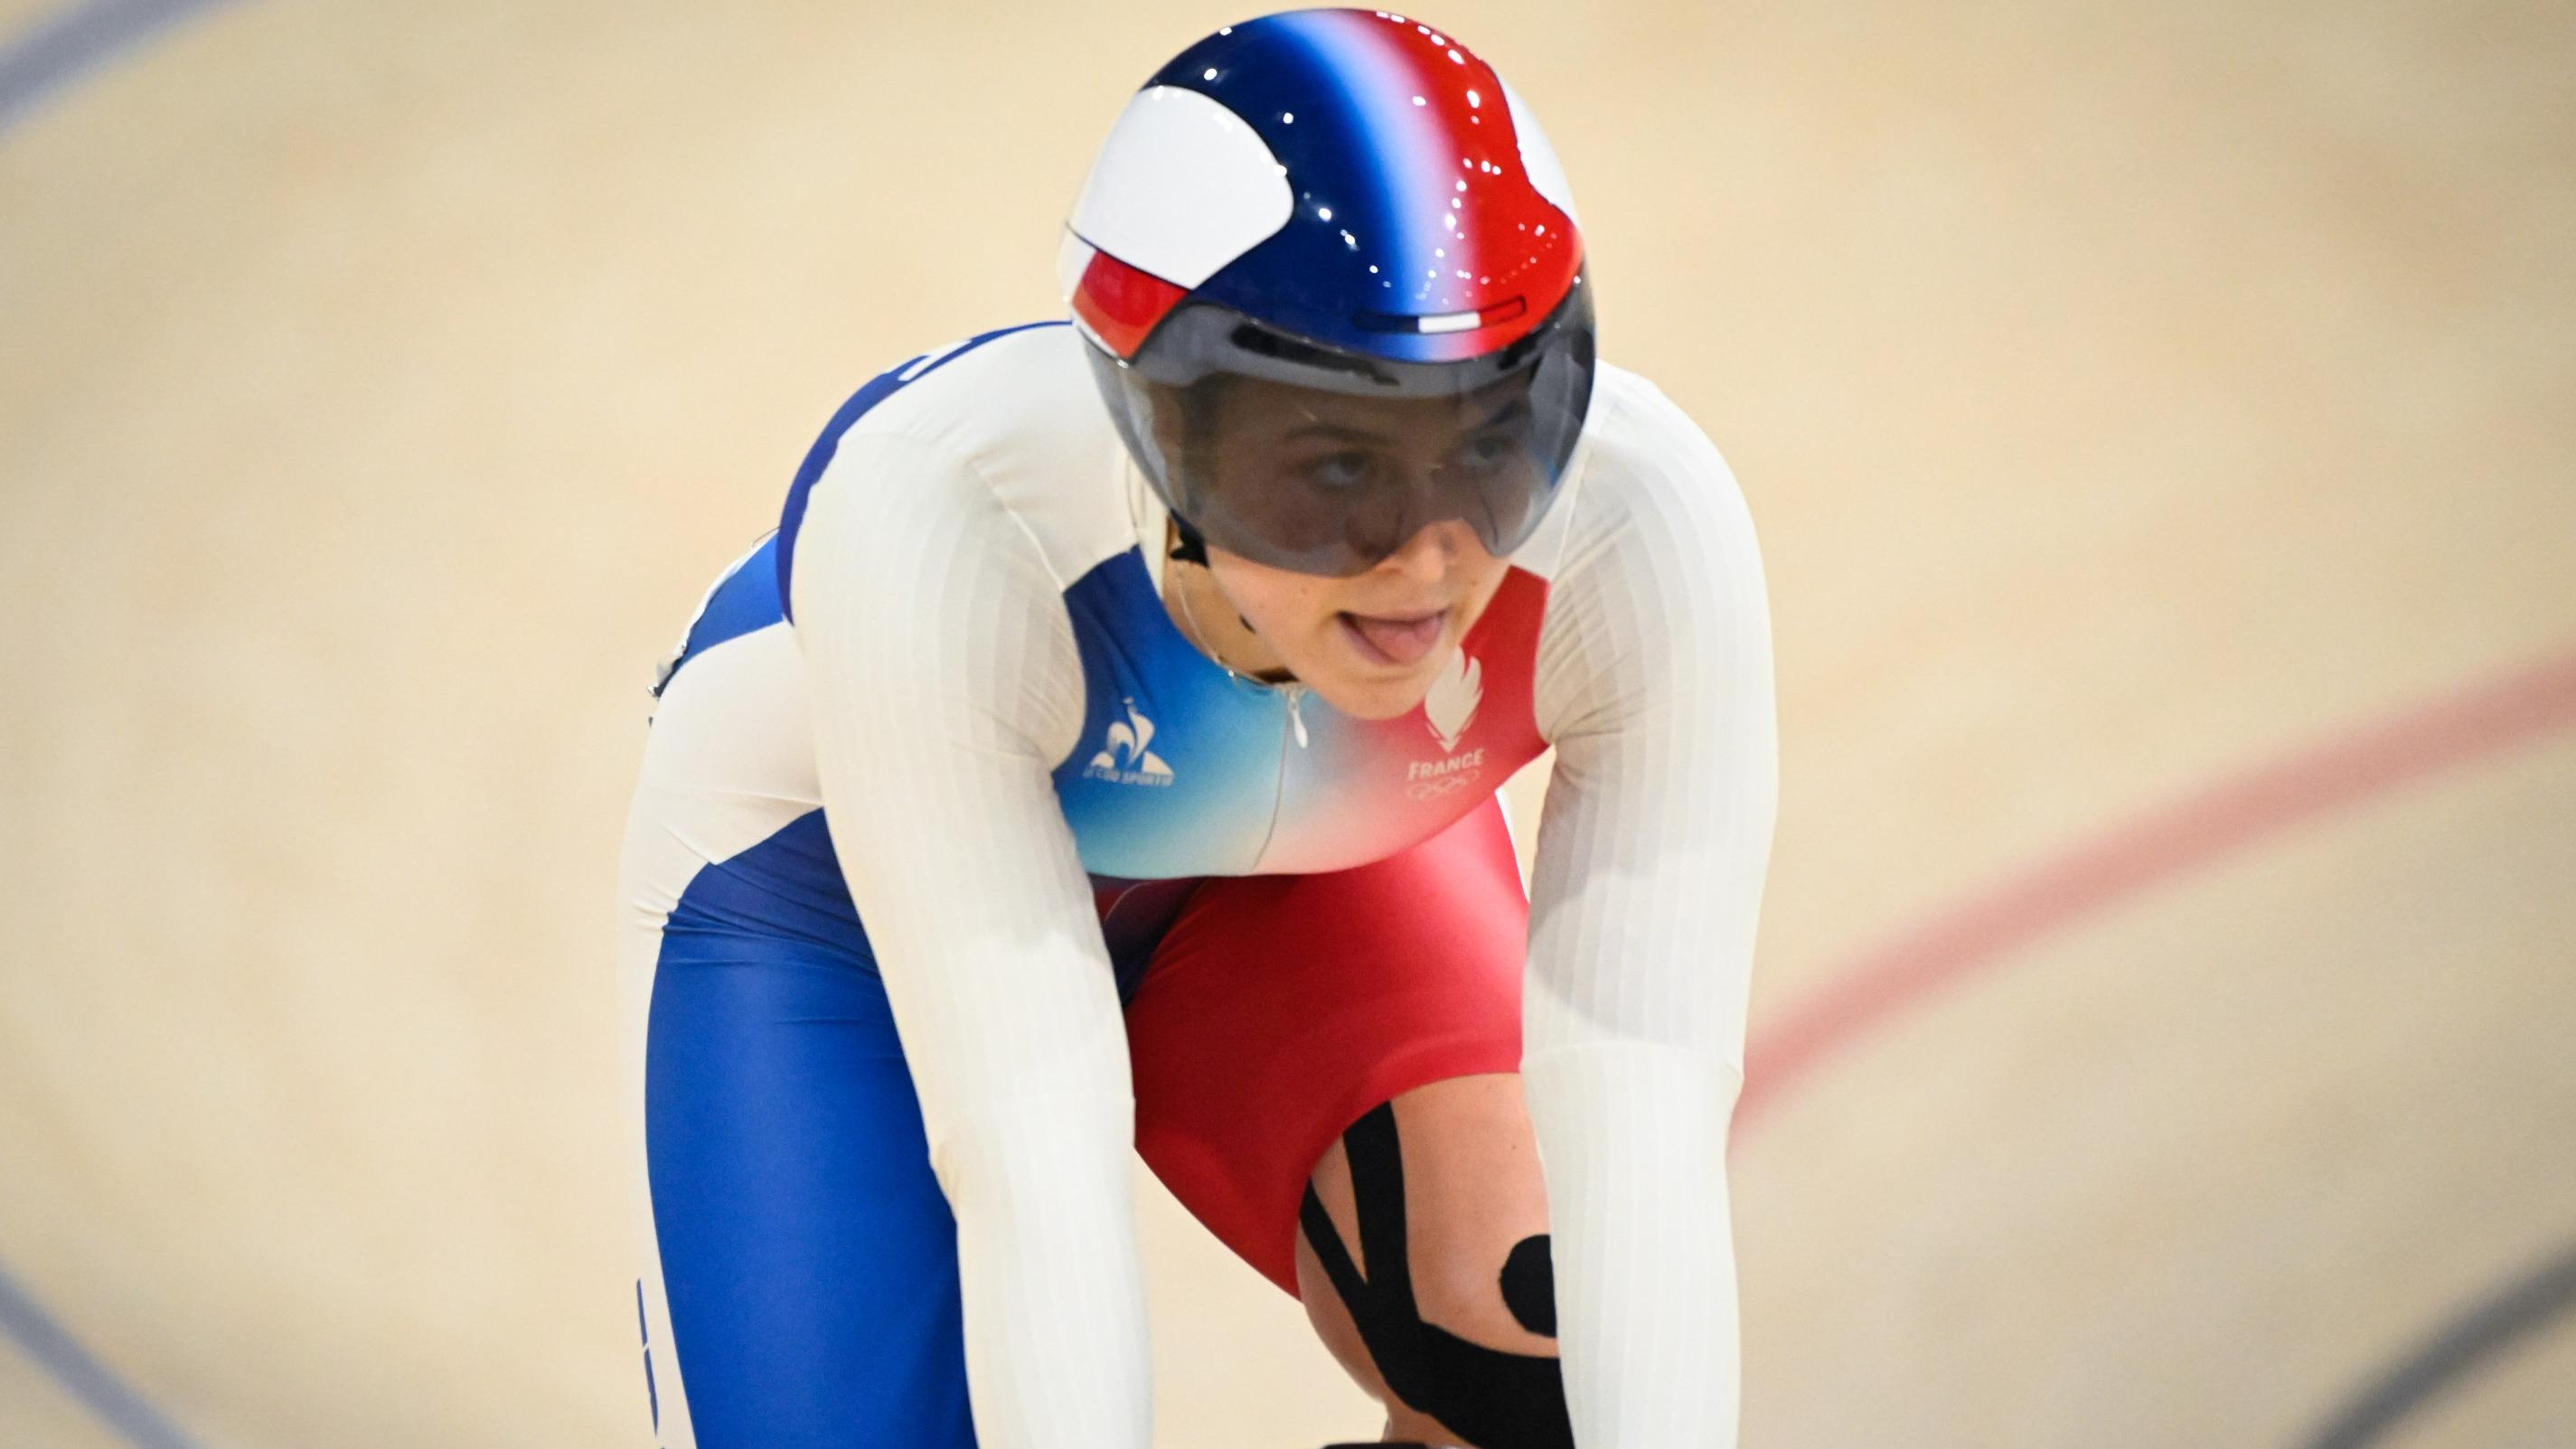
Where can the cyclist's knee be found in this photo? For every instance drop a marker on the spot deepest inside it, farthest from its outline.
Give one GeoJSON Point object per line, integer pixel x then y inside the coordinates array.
{"type": "Point", "coordinates": [1450, 1297]}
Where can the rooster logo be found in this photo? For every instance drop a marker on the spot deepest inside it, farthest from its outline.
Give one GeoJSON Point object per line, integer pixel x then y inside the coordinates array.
{"type": "Point", "coordinates": [1125, 757]}
{"type": "Point", "coordinates": [1450, 707]}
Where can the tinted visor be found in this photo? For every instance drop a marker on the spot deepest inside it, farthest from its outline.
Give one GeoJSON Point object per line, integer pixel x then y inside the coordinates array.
{"type": "Point", "coordinates": [1324, 461]}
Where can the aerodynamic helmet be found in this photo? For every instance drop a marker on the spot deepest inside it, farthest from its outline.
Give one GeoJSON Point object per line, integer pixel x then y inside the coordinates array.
{"type": "Point", "coordinates": [1329, 271]}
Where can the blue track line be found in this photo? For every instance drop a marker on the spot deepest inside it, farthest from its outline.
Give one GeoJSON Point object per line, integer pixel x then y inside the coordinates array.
{"type": "Point", "coordinates": [25, 1322]}
{"type": "Point", "coordinates": [76, 40]}
{"type": "Point", "coordinates": [2483, 1333]}
{"type": "Point", "coordinates": [35, 65]}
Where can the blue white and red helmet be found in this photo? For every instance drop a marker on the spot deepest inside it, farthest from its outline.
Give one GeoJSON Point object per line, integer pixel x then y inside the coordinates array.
{"type": "Point", "coordinates": [1347, 203]}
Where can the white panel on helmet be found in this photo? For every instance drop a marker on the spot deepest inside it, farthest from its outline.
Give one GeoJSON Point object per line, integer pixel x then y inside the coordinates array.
{"type": "Point", "coordinates": [1538, 158]}
{"type": "Point", "coordinates": [1181, 187]}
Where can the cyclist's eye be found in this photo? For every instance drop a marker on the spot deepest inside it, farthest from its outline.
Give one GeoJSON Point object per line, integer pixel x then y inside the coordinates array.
{"type": "Point", "coordinates": [1486, 453]}
{"type": "Point", "coordinates": [1346, 469]}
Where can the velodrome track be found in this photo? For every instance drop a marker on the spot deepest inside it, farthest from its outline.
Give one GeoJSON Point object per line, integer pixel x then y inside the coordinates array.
{"type": "Point", "coordinates": [2156, 417]}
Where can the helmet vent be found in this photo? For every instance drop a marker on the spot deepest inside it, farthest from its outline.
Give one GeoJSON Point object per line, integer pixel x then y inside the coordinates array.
{"type": "Point", "coordinates": [1503, 311]}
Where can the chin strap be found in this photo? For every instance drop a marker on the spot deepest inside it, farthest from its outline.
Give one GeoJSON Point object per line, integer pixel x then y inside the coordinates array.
{"type": "Point", "coordinates": [1192, 549]}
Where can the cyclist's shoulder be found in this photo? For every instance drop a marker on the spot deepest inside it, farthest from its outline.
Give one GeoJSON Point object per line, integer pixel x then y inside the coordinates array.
{"type": "Point", "coordinates": [987, 399]}
{"type": "Point", "coordinates": [1652, 503]}
{"type": "Point", "coordinates": [1644, 458]}
{"type": "Point", "coordinates": [1635, 427]}
{"type": "Point", "coordinates": [1010, 416]}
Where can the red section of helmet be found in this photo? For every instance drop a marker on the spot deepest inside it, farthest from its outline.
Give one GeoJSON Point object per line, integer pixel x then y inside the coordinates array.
{"type": "Point", "coordinates": [1506, 241]}
{"type": "Point", "coordinates": [1121, 304]}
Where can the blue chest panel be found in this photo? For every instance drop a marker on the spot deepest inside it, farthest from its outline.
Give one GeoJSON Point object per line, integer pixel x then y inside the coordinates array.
{"type": "Point", "coordinates": [1178, 768]}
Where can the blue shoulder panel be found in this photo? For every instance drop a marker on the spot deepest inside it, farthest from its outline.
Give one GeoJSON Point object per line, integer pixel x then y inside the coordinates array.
{"type": "Point", "coordinates": [744, 600]}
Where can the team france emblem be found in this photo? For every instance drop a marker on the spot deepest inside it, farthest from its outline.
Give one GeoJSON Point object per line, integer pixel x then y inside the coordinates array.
{"type": "Point", "coordinates": [1450, 711]}
{"type": "Point", "coordinates": [1450, 707]}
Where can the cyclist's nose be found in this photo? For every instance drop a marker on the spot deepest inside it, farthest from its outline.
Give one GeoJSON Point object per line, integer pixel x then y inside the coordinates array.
{"type": "Point", "coordinates": [1429, 554]}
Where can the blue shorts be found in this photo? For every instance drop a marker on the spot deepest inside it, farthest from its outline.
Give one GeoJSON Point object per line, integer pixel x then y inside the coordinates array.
{"type": "Point", "coordinates": [801, 1286]}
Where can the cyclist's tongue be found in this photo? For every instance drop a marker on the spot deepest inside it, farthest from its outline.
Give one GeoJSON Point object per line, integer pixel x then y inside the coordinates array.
{"type": "Point", "coordinates": [1399, 641]}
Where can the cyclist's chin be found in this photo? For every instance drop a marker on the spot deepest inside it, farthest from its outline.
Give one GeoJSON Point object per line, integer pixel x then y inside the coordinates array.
{"type": "Point", "coordinates": [1371, 699]}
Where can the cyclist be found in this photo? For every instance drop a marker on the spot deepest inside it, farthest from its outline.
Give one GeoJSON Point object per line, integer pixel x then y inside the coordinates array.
{"type": "Point", "coordinates": [1103, 751]}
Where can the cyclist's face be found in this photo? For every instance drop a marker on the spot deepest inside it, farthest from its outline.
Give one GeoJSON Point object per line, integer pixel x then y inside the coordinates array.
{"type": "Point", "coordinates": [1370, 643]}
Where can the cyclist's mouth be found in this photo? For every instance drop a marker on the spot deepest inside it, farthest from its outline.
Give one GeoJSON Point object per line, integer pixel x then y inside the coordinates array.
{"type": "Point", "coordinates": [1396, 640]}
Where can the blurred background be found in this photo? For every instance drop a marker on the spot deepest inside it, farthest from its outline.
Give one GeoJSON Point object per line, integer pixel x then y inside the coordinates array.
{"type": "Point", "coordinates": [2158, 419]}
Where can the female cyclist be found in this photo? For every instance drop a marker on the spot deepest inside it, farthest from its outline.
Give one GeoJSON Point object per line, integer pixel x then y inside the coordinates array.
{"type": "Point", "coordinates": [1103, 752]}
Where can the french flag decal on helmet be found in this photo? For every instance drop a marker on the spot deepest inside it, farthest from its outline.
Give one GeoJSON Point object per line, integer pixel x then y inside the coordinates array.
{"type": "Point", "coordinates": [1353, 178]}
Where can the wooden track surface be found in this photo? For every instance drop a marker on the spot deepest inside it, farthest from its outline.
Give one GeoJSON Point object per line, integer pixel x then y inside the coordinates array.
{"type": "Point", "coordinates": [2126, 394]}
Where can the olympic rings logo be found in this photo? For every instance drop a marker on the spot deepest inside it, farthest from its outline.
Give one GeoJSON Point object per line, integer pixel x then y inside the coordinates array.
{"type": "Point", "coordinates": [1440, 785]}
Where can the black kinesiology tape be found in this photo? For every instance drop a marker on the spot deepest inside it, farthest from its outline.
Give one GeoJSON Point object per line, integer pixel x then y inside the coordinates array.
{"type": "Point", "coordinates": [1494, 1399]}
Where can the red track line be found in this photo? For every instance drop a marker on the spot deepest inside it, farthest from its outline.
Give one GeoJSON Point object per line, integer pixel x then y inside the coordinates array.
{"type": "Point", "coordinates": [2242, 810]}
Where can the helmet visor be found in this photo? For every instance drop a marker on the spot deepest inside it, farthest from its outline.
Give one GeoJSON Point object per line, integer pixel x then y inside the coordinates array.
{"type": "Point", "coordinates": [1325, 462]}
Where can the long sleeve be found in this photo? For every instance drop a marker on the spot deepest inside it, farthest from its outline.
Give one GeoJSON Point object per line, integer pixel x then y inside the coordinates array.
{"type": "Point", "coordinates": [1655, 686]}
{"type": "Point", "coordinates": [945, 685]}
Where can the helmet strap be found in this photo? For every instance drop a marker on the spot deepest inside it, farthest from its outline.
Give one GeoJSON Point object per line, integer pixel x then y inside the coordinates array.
{"type": "Point", "coordinates": [1192, 547]}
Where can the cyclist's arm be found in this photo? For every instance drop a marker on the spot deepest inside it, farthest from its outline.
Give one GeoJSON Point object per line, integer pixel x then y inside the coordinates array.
{"type": "Point", "coordinates": [1655, 686]}
{"type": "Point", "coordinates": [945, 686]}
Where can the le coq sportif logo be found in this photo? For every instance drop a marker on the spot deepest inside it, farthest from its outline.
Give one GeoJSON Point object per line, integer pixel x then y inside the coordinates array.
{"type": "Point", "coordinates": [1126, 756]}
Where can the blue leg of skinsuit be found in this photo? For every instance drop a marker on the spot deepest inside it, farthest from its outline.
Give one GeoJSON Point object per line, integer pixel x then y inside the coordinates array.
{"type": "Point", "coordinates": [807, 1253]}
{"type": "Point", "coordinates": [805, 1249]}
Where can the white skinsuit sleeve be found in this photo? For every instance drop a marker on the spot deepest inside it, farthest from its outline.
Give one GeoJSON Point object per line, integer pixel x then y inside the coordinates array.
{"type": "Point", "coordinates": [946, 685]}
{"type": "Point", "coordinates": [1655, 686]}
